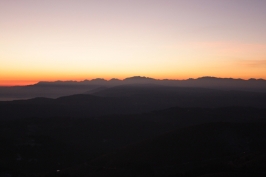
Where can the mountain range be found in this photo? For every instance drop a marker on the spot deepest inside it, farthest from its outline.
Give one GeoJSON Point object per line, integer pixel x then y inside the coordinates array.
{"type": "Point", "coordinates": [64, 88]}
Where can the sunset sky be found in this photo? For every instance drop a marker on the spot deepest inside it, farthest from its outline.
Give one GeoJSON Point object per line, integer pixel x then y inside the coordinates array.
{"type": "Point", "coordinates": [175, 39]}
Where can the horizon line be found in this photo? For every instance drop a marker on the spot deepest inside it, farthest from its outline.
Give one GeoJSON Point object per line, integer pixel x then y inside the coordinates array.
{"type": "Point", "coordinates": [30, 83]}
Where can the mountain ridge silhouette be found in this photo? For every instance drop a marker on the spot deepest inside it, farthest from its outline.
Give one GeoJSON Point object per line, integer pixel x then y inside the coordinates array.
{"type": "Point", "coordinates": [65, 88]}
{"type": "Point", "coordinates": [144, 78]}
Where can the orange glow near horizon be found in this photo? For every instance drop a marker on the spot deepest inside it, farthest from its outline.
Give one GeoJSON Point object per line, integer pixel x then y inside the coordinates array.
{"type": "Point", "coordinates": [77, 40]}
{"type": "Point", "coordinates": [79, 79]}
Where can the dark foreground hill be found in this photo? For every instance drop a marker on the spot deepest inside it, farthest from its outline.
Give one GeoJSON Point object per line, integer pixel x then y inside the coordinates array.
{"type": "Point", "coordinates": [38, 146]}
{"type": "Point", "coordinates": [221, 148]}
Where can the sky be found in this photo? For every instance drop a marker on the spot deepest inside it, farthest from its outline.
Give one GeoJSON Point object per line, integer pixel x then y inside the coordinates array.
{"type": "Point", "coordinates": [175, 39]}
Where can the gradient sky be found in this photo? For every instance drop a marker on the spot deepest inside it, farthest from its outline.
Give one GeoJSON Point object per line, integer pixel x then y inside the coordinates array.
{"type": "Point", "coordinates": [176, 39]}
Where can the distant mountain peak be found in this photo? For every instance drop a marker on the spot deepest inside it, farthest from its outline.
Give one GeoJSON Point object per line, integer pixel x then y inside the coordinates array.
{"type": "Point", "coordinates": [114, 80]}
{"type": "Point", "coordinates": [139, 78]}
{"type": "Point", "coordinates": [216, 78]}
{"type": "Point", "coordinates": [98, 79]}
{"type": "Point", "coordinates": [209, 77]}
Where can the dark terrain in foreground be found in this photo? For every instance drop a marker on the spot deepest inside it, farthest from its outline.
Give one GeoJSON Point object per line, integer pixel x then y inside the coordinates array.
{"type": "Point", "coordinates": [142, 129]}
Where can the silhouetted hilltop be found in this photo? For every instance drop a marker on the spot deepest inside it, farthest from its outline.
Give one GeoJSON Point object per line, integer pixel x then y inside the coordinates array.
{"type": "Point", "coordinates": [139, 80]}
